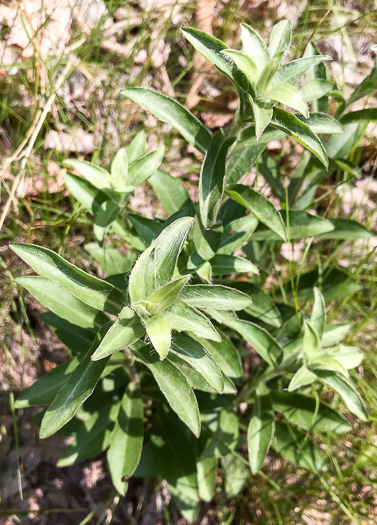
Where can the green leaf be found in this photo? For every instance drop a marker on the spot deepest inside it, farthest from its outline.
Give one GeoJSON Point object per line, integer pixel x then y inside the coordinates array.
{"type": "Point", "coordinates": [280, 38]}
{"type": "Point", "coordinates": [318, 72]}
{"type": "Point", "coordinates": [304, 412]}
{"type": "Point", "coordinates": [99, 177]}
{"type": "Point", "coordinates": [197, 381]}
{"type": "Point", "coordinates": [125, 331]}
{"type": "Point", "coordinates": [246, 151]}
{"type": "Point", "coordinates": [197, 356]}
{"type": "Point", "coordinates": [362, 115]}
{"type": "Point", "coordinates": [226, 356]}
{"type": "Point", "coordinates": [214, 296]}
{"type": "Point", "coordinates": [78, 387]}
{"type": "Point", "coordinates": [211, 48]}
{"type": "Point", "coordinates": [244, 63]}
{"type": "Point", "coordinates": [206, 243]}
{"type": "Point", "coordinates": [62, 303]}
{"type": "Point", "coordinates": [161, 298]}
{"type": "Point", "coordinates": [315, 89]}
{"type": "Point", "coordinates": [147, 229]}
{"type": "Point", "coordinates": [263, 342]}
{"type": "Point", "coordinates": [318, 317]}
{"type": "Point", "coordinates": [266, 78]}
{"type": "Point", "coordinates": [137, 148]}
{"type": "Point", "coordinates": [287, 95]}
{"type": "Point", "coordinates": [172, 200]}
{"type": "Point", "coordinates": [142, 280]}
{"type": "Point", "coordinates": [168, 247]}
{"type": "Point", "coordinates": [225, 438]}
{"type": "Point", "coordinates": [297, 448]}
{"type": "Point", "coordinates": [366, 87]}
{"type": "Point", "coordinates": [159, 333]}
{"type": "Point", "coordinates": [183, 317]}
{"type": "Point", "coordinates": [236, 233]}
{"type": "Point", "coordinates": [346, 229]}
{"type": "Point", "coordinates": [174, 386]}
{"type": "Point", "coordinates": [92, 436]}
{"type": "Point", "coordinates": [227, 264]}
{"type": "Point", "coordinates": [262, 307]}
{"type": "Point", "coordinates": [236, 474]}
{"type": "Point", "coordinates": [261, 429]}
{"type": "Point", "coordinates": [311, 342]}
{"type": "Point", "coordinates": [295, 128]}
{"type": "Point", "coordinates": [262, 118]}
{"type": "Point", "coordinates": [270, 171]}
{"type": "Point", "coordinates": [43, 391]}
{"type": "Point", "coordinates": [340, 146]}
{"type": "Point", "coordinates": [119, 171]}
{"type": "Point", "coordinates": [92, 291]}
{"type": "Point", "coordinates": [322, 124]}
{"type": "Point", "coordinates": [143, 168]}
{"type": "Point", "coordinates": [126, 442]}
{"type": "Point", "coordinates": [346, 390]}
{"type": "Point", "coordinates": [301, 225]}
{"type": "Point", "coordinates": [169, 111]}
{"type": "Point", "coordinates": [333, 333]}
{"type": "Point", "coordinates": [212, 178]}
{"type": "Point", "coordinates": [110, 259]}
{"type": "Point", "coordinates": [254, 47]}
{"type": "Point", "coordinates": [302, 377]}
{"type": "Point", "coordinates": [104, 218]}
{"type": "Point", "coordinates": [348, 356]}
{"type": "Point", "coordinates": [260, 206]}
{"type": "Point", "coordinates": [207, 471]}
{"type": "Point", "coordinates": [293, 71]}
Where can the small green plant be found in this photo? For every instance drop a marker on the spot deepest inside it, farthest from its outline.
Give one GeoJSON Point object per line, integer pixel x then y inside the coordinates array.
{"type": "Point", "coordinates": [188, 296]}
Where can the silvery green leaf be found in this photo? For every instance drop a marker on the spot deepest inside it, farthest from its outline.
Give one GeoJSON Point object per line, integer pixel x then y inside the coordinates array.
{"type": "Point", "coordinates": [262, 118]}
{"type": "Point", "coordinates": [260, 429]}
{"type": "Point", "coordinates": [119, 171]}
{"type": "Point", "coordinates": [315, 89]}
{"type": "Point", "coordinates": [212, 178]}
{"type": "Point", "coordinates": [318, 317]}
{"type": "Point", "coordinates": [320, 123]}
{"type": "Point", "coordinates": [159, 334]}
{"type": "Point", "coordinates": [295, 446]}
{"type": "Point", "coordinates": [293, 71]}
{"type": "Point", "coordinates": [169, 111]}
{"type": "Point", "coordinates": [236, 474]}
{"type": "Point", "coordinates": [259, 206]}
{"type": "Point", "coordinates": [214, 296]}
{"type": "Point", "coordinates": [311, 342]}
{"type": "Point", "coordinates": [301, 225]}
{"type": "Point", "coordinates": [302, 377]}
{"type": "Point", "coordinates": [197, 356]}
{"type": "Point", "coordinates": [63, 303]}
{"type": "Point", "coordinates": [99, 177]}
{"type": "Point", "coordinates": [280, 38]}
{"type": "Point", "coordinates": [137, 148]}
{"type": "Point", "coordinates": [174, 386]}
{"type": "Point", "coordinates": [348, 356]}
{"type": "Point", "coordinates": [307, 413]}
{"type": "Point", "coordinates": [207, 471]}
{"type": "Point", "coordinates": [143, 276]}
{"type": "Point", "coordinates": [125, 331]}
{"type": "Point", "coordinates": [261, 340]}
{"type": "Point", "coordinates": [334, 333]}
{"type": "Point", "coordinates": [78, 387]}
{"type": "Point", "coordinates": [266, 78]}
{"type": "Point", "coordinates": [318, 72]}
{"type": "Point", "coordinates": [110, 259]}
{"type": "Point", "coordinates": [183, 317]}
{"type": "Point", "coordinates": [244, 63]}
{"type": "Point", "coordinates": [143, 168]}
{"type": "Point", "coordinates": [236, 233]}
{"type": "Point", "coordinates": [287, 95]}
{"type": "Point", "coordinates": [296, 129]}
{"type": "Point", "coordinates": [161, 298]}
{"type": "Point", "coordinates": [172, 200]}
{"type": "Point", "coordinates": [226, 356]}
{"type": "Point", "coordinates": [206, 242]}
{"type": "Point", "coordinates": [254, 47]}
{"type": "Point", "coordinates": [92, 291]}
{"type": "Point", "coordinates": [126, 441]}
{"type": "Point", "coordinates": [227, 264]}
{"type": "Point", "coordinates": [346, 390]}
